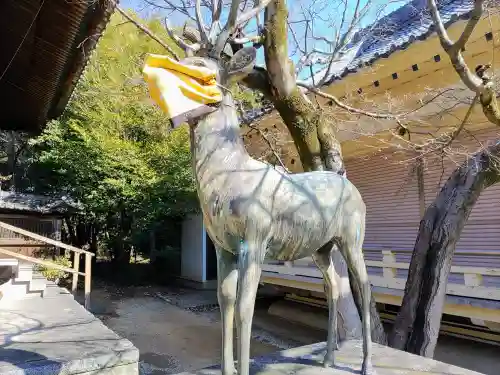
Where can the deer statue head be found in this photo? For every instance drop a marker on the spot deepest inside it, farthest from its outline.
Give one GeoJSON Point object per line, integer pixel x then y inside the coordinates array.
{"type": "Point", "coordinates": [210, 46]}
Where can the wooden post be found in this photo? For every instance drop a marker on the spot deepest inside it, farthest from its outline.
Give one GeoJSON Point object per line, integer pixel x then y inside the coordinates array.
{"type": "Point", "coordinates": [389, 273]}
{"type": "Point", "coordinates": [152, 247]}
{"type": "Point", "coordinates": [88, 278]}
{"type": "Point", "coordinates": [76, 267]}
{"type": "Point", "coordinates": [56, 234]}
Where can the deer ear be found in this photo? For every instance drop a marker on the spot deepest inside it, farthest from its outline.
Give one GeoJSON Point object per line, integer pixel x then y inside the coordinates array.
{"type": "Point", "coordinates": [241, 64]}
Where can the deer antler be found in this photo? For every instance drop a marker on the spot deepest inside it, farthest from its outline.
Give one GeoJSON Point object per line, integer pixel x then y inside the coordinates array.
{"type": "Point", "coordinates": [233, 21]}
{"type": "Point", "coordinates": [199, 21]}
{"type": "Point", "coordinates": [215, 38]}
{"type": "Point", "coordinates": [216, 10]}
{"type": "Point", "coordinates": [254, 12]}
{"type": "Point", "coordinates": [189, 49]}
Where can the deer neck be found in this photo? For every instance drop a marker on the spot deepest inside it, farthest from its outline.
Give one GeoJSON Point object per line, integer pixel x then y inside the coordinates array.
{"type": "Point", "coordinates": [216, 144]}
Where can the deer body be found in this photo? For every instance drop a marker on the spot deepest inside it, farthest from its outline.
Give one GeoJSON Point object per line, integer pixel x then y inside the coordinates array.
{"type": "Point", "coordinates": [253, 211]}
{"type": "Point", "coordinates": [236, 190]}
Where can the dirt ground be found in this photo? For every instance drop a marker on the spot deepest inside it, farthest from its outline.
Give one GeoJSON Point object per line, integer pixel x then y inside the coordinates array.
{"type": "Point", "coordinates": [178, 329]}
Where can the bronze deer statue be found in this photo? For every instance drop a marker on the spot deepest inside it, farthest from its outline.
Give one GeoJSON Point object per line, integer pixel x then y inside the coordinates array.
{"type": "Point", "coordinates": [253, 211]}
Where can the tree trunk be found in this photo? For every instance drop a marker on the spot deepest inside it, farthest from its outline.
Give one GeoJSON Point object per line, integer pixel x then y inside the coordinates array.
{"type": "Point", "coordinates": [417, 325]}
{"type": "Point", "coordinates": [71, 231]}
{"type": "Point", "coordinates": [312, 131]}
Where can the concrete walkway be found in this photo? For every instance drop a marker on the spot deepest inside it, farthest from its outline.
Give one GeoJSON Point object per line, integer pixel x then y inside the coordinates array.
{"type": "Point", "coordinates": [307, 360]}
{"type": "Point", "coordinates": [170, 338]}
{"type": "Point", "coordinates": [55, 334]}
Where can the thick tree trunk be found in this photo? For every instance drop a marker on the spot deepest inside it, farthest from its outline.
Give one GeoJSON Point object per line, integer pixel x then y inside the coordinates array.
{"type": "Point", "coordinates": [418, 322]}
{"type": "Point", "coordinates": [313, 133]}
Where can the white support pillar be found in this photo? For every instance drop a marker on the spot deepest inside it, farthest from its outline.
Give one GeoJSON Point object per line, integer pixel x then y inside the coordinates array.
{"type": "Point", "coordinates": [204, 250]}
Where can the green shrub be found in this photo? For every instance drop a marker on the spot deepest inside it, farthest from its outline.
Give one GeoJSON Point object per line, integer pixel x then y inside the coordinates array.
{"type": "Point", "coordinates": [53, 274]}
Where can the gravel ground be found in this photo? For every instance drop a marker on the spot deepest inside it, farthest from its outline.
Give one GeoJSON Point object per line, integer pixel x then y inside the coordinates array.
{"type": "Point", "coordinates": [178, 329]}
{"type": "Point", "coordinates": [173, 330]}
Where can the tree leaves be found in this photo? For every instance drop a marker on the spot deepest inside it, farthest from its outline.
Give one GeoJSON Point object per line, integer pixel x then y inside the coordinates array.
{"type": "Point", "coordinates": [112, 150]}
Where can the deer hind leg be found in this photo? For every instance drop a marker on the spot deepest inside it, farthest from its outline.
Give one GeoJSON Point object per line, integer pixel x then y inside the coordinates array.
{"type": "Point", "coordinates": [352, 251]}
{"type": "Point", "coordinates": [227, 281]}
{"type": "Point", "coordinates": [323, 260]}
{"type": "Point", "coordinates": [250, 267]}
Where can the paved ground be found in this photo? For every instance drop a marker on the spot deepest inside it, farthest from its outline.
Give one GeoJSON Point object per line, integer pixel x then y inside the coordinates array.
{"type": "Point", "coordinates": [178, 330]}
{"type": "Point", "coordinates": [305, 360]}
{"type": "Point", "coordinates": [56, 335]}
{"type": "Point", "coordinates": [170, 338]}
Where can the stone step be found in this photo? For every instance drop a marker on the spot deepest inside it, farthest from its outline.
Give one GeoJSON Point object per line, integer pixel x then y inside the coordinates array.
{"type": "Point", "coordinates": [307, 360]}
{"type": "Point", "coordinates": [52, 290]}
{"type": "Point", "coordinates": [25, 284]}
{"type": "Point", "coordinates": [56, 335]}
{"type": "Point", "coordinates": [24, 271]}
{"type": "Point", "coordinates": [38, 283]}
{"type": "Point", "coordinates": [17, 290]}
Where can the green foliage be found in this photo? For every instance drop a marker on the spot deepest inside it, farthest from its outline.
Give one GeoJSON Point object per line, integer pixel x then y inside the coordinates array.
{"type": "Point", "coordinates": [247, 97]}
{"type": "Point", "coordinates": [53, 274]}
{"type": "Point", "coordinates": [113, 151]}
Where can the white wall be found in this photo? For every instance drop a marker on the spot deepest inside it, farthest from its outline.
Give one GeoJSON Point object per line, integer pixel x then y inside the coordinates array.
{"type": "Point", "coordinates": [193, 249]}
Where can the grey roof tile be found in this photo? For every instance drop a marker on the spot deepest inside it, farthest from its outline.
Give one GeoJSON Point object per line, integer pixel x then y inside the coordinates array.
{"type": "Point", "coordinates": [393, 32]}
{"type": "Point", "coordinates": [396, 31]}
{"type": "Point", "coordinates": [36, 203]}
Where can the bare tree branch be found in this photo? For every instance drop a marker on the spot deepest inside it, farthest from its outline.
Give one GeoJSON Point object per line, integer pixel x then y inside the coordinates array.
{"type": "Point", "coordinates": [253, 12]}
{"type": "Point", "coordinates": [454, 49]}
{"type": "Point", "coordinates": [347, 107]}
{"type": "Point", "coordinates": [480, 82]}
{"type": "Point", "coordinates": [148, 32]}
{"type": "Point", "coordinates": [269, 144]}
{"type": "Point", "coordinates": [233, 14]}
{"type": "Point", "coordinates": [199, 22]}
{"type": "Point", "coordinates": [439, 144]}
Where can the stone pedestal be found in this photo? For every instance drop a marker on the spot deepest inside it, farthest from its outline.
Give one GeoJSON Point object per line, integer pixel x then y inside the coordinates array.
{"type": "Point", "coordinates": [307, 360]}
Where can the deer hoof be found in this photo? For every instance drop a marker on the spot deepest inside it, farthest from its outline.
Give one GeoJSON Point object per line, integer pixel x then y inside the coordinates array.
{"type": "Point", "coordinates": [230, 371]}
{"type": "Point", "coordinates": [367, 369]}
{"type": "Point", "coordinates": [328, 361]}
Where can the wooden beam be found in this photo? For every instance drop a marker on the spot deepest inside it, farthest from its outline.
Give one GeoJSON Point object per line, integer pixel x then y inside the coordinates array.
{"type": "Point", "coordinates": [454, 269]}
{"type": "Point", "coordinates": [42, 238]}
{"type": "Point", "coordinates": [38, 261]}
{"type": "Point", "coordinates": [463, 310]}
{"type": "Point", "coordinates": [297, 273]}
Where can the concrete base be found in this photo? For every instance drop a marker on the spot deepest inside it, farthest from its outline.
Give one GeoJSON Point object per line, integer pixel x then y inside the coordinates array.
{"type": "Point", "coordinates": [307, 360]}
{"type": "Point", "coordinates": [56, 335]}
{"type": "Point", "coordinates": [200, 285]}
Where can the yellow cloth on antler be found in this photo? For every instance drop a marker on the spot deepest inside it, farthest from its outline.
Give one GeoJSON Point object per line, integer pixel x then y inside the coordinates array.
{"type": "Point", "coordinates": [182, 91]}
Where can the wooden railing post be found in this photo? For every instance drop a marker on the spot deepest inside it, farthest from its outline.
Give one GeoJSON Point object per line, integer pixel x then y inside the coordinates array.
{"type": "Point", "coordinates": [88, 278]}
{"type": "Point", "coordinates": [388, 257]}
{"type": "Point", "coordinates": [76, 267]}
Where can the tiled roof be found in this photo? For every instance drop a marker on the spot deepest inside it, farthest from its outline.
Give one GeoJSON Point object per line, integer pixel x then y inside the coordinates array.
{"type": "Point", "coordinates": [36, 203]}
{"type": "Point", "coordinates": [395, 32]}
{"type": "Point", "coordinates": [45, 46]}
{"type": "Point", "coordinates": [391, 33]}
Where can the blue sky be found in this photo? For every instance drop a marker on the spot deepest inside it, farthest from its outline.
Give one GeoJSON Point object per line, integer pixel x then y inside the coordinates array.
{"type": "Point", "coordinates": [329, 13]}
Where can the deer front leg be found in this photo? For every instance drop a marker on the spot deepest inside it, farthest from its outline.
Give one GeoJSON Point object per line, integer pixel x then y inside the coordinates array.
{"type": "Point", "coordinates": [352, 251]}
{"type": "Point", "coordinates": [323, 260]}
{"type": "Point", "coordinates": [250, 267]}
{"type": "Point", "coordinates": [227, 281]}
